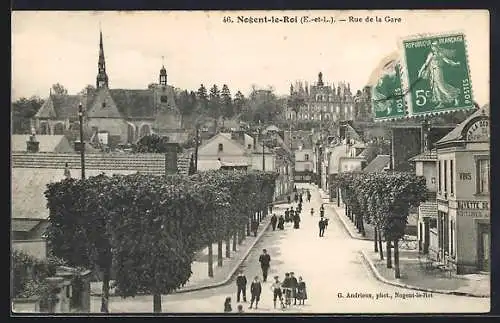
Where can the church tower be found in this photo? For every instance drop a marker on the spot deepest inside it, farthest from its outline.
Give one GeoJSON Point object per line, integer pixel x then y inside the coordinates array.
{"type": "Point", "coordinates": [163, 75]}
{"type": "Point", "coordinates": [102, 77]}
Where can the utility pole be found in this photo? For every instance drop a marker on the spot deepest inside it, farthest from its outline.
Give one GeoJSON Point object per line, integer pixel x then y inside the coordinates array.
{"type": "Point", "coordinates": [82, 144]}
{"type": "Point", "coordinates": [196, 149]}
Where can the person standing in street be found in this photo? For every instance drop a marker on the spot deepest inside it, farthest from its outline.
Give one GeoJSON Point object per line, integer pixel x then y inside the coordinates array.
{"type": "Point", "coordinates": [296, 198]}
{"type": "Point", "coordinates": [265, 262]}
{"type": "Point", "coordinates": [312, 211]}
{"type": "Point", "coordinates": [276, 288]}
{"type": "Point", "coordinates": [281, 223]}
{"type": "Point", "coordinates": [240, 309]}
{"type": "Point", "coordinates": [321, 225]}
{"type": "Point", "coordinates": [301, 291]}
{"type": "Point", "coordinates": [293, 285]}
{"type": "Point", "coordinates": [296, 221]}
{"type": "Point", "coordinates": [255, 290]}
{"type": "Point", "coordinates": [322, 211]}
{"type": "Point", "coordinates": [255, 227]}
{"type": "Point", "coordinates": [308, 196]}
{"type": "Point", "coordinates": [241, 284]}
{"type": "Point", "coordinates": [274, 220]}
{"type": "Point", "coordinates": [227, 305]}
{"type": "Point", "coordinates": [287, 214]}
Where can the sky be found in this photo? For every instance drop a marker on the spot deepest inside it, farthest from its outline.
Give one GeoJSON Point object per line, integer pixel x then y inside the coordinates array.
{"type": "Point", "coordinates": [199, 47]}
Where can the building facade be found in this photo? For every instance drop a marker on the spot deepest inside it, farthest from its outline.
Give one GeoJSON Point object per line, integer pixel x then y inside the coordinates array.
{"type": "Point", "coordinates": [125, 115]}
{"type": "Point", "coordinates": [463, 195]}
{"type": "Point", "coordinates": [324, 102]}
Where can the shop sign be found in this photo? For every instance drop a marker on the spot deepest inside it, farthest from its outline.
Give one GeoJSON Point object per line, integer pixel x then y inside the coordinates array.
{"type": "Point", "coordinates": [473, 205]}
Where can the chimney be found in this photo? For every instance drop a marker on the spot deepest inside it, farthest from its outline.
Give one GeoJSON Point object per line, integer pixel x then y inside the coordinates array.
{"type": "Point", "coordinates": [32, 145]}
{"type": "Point", "coordinates": [171, 158]}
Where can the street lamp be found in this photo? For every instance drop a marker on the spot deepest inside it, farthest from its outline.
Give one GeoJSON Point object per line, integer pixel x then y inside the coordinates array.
{"type": "Point", "coordinates": [82, 144]}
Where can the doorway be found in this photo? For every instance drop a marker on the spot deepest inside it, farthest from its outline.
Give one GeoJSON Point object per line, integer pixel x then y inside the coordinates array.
{"type": "Point", "coordinates": [484, 240]}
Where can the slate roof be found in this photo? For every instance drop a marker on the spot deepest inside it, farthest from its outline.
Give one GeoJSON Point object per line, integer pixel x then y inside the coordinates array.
{"type": "Point", "coordinates": [61, 107]}
{"type": "Point", "coordinates": [369, 153]}
{"type": "Point", "coordinates": [425, 156]}
{"type": "Point", "coordinates": [47, 143]}
{"type": "Point", "coordinates": [456, 134]}
{"type": "Point", "coordinates": [134, 103]}
{"type": "Point", "coordinates": [378, 164]}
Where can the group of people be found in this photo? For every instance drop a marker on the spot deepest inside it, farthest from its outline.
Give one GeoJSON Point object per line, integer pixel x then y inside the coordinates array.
{"type": "Point", "coordinates": [290, 215]}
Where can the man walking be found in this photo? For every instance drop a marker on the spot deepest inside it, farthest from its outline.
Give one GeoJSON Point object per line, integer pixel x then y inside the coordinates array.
{"type": "Point", "coordinates": [321, 225]}
{"type": "Point", "coordinates": [255, 290]}
{"type": "Point", "coordinates": [265, 261]}
{"type": "Point", "coordinates": [322, 211]}
{"type": "Point", "coordinates": [241, 283]}
{"type": "Point", "coordinates": [293, 285]}
{"type": "Point", "coordinates": [274, 220]}
{"type": "Point", "coordinates": [255, 227]}
{"type": "Point", "coordinates": [276, 288]}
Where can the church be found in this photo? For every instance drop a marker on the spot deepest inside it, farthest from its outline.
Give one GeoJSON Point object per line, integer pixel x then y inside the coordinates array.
{"type": "Point", "coordinates": [119, 116]}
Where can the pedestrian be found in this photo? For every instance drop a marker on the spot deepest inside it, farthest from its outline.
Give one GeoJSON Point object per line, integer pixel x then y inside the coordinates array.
{"type": "Point", "coordinates": [301, 291]}
{"type": "Point", "coordinates": [287, 214]}
{"type": "Point", "coordinates": [265, 261]}
{"type": "Point", "coordinates": [255, 290]}
{"type": "Point", "coordinates": [296, 221]}
{"type": "Point", "coordinates": [299, 208]}
{"type": "Point", "coordinates": [241, 284]}
{"type": "Point", "coordinates": [281, 222]}
{"type": "Point", "coordinates": [308, 196]}
{"type": "Point", "coordinates": [322, 211]}
{"type": "Point", "coordinates": [227, 305]}
{"type": "Point", "coordinates": [321, 225]}
{"type": "Point", "coordinates": [240, 308]}
{"type": "Point", "coordinates": [295, 188]}
{"type": "Point", "coordinates": [286, 286]}
{"type": "Point", "coordinates": [312, 211]}
{"type": "Point", "coordinates": [274, 220]}
{"type": "Point", "coordinates": [326, 222]}
{"type": "Point", "coordinates": [254, 227]}
{"type": "Point", "coordinates": [296, 198]}
{"type": "Point", "coordinates": [293, 285]}
{"type": "Point", "coordinates": [289, 199]}
{"type": "Point", "coordinates": [276, 288]}
{"type": "Point", "coordinates": [300, 198]}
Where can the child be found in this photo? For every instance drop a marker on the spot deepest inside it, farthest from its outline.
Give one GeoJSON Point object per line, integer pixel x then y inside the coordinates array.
{"type": "Point", "coordinates": [227, 305]}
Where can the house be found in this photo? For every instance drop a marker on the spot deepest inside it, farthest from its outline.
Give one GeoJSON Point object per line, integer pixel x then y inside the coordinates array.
{"type": "Point", "coordinates": [378, 164]}
{"type": "Point", "coordinates": [463, 195]}
{"type": "Point", "coordinates": [125, 115]}
{"type": "Point", "coordinates": [46, 143]}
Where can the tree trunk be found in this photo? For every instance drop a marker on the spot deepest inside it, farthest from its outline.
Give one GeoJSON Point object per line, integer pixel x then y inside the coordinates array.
{"type": "Point", "coordinates": [380, 250]}
{"type": "Point", "coordinates": [157, 303]}
{"type": "Point", "coordinates": [248, 227]}
{"type": "Point", "coordinates": [228, 246]}
{"type": "Point", "coordinates": [235, 237]}
{"type": "Point", "coordinates": [362, 226]}
{"type": "Point", "coordinates": [105, 290]}
{"type": "Point", "coordinates": [388, 250]}
{"type": "Point", "coordinates": [375, 240]}
{"type": "Point", "coordinates": [210, 260]}
{"type": "Point", "coordinates": [241, 235]}
{"type": "Point", "coordinates": [397, 273]}
{"type": "Point", "coordinates": [219, 253]}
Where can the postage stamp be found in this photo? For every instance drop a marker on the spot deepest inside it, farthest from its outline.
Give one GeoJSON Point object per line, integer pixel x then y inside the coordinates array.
{"type": "Point", "coordinates": [388, 99]}
{"type": "Point", "coordinates": [437, 71]}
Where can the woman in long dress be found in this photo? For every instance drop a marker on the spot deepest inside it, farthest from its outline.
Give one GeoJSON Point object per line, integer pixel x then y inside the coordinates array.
{"type": "Point", "coordinates": [432, 70]}
{"type": "Point", "coordinates": [301, 291]}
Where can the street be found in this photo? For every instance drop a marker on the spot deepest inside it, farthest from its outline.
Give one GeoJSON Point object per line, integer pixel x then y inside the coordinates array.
{"type": "Point", "coordinates": [329, 266]}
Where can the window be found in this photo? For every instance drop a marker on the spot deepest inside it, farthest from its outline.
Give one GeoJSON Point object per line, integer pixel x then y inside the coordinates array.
{"type": "Point", "coordinates": [483, 175]}
{"type": "Point", "coordinates": [451, 178]}
{"type": "Point", "coordinates": [249, 146]}
{"type": "Point", "coordinates": [306, 156]}
{"type": "Point", "coordinates": [445, 180]}
{"type": "Point", "coordinates": [163, 99]}
{"type": "Point", "coordinates": [439, 176]}
{"type": "Point", "coordinates": [104, 104]}
{"type": "Point", "coordinates": [221, 147]}
{"type": "Point", "coordinates": [451, 238]}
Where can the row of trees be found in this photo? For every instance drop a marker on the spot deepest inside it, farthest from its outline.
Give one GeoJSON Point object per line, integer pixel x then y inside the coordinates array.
{"type": "Point", "coordinates": [146, 229]}
{"type": "Point", "coordinates": [382, 199]}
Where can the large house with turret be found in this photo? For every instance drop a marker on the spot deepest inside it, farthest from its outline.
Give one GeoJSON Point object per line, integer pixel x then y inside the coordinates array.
{"type": "Point", "coordinates": [119, 116]}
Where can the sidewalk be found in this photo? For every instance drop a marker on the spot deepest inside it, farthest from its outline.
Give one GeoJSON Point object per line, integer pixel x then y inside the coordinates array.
{"type": "Point", "coordinates": [199, 278]}
{"type": "Point", "coordinates": [415, 274]}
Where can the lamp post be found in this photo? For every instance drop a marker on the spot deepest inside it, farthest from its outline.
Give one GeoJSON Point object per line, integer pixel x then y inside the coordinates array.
{"type": "Point", "coordinates": [82, 144]}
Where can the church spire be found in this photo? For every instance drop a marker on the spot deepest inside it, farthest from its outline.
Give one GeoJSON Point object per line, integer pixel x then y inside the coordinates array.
{"type": "Point", "coordinates": [102, 77]}
{"type": "Point", "coordinates": [163, 73]}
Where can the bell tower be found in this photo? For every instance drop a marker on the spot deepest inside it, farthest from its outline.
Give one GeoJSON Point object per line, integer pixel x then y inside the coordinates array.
{"type": "Point", "coordinates": [163, 73]}
{"type": "Point", "coordinates": [102, 77]}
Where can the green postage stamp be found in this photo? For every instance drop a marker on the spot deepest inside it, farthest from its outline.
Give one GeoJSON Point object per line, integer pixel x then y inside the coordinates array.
{"type": "Point", "coordinates": [438, 75]}
{"type": "Point", "coordinates": [388, 100]}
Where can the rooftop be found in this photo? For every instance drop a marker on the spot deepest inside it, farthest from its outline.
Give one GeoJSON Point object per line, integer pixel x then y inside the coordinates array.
{"type": "Point", "coordinates": [47, 143]}
{"type": "Point", "coordinates": [380, 163]}
{"type": "Point", "coordinates": [456, 134]}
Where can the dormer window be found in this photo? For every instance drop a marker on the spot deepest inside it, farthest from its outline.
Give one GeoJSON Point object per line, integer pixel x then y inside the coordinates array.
{"type": "Point", "coordinates": [221, 148]}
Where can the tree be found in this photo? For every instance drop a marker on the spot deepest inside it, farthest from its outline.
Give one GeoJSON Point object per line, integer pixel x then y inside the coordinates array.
{"type": "Point", "coordinates": [263, 106]}
{"type": "Point", "coordinates": [202, 97]}
{"type": "Point", "coordinates": [214, 104]}
{"type": "Point", "coordinates": [192, 165]}
{"type": "Point", "coordinates": [23, 110]}
{"type": "Point", "coordinates": [226, 103]}
{"type": "Point", "coordinates": [186, 103]}
{"type": "Point", "coordinates": [239, 103]}
{"type": "Point", "coordinates": [87, 89]}
{"type": "Point", "coordinates": [152, 144]}
{"type": "Point", "coordinates": [59, 89]}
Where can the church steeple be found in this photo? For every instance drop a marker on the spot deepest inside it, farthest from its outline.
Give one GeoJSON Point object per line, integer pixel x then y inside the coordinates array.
{"type": "Point", "coordinates": [102, 77]}
{"type": "Point", "coordinates": [163, 74]}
